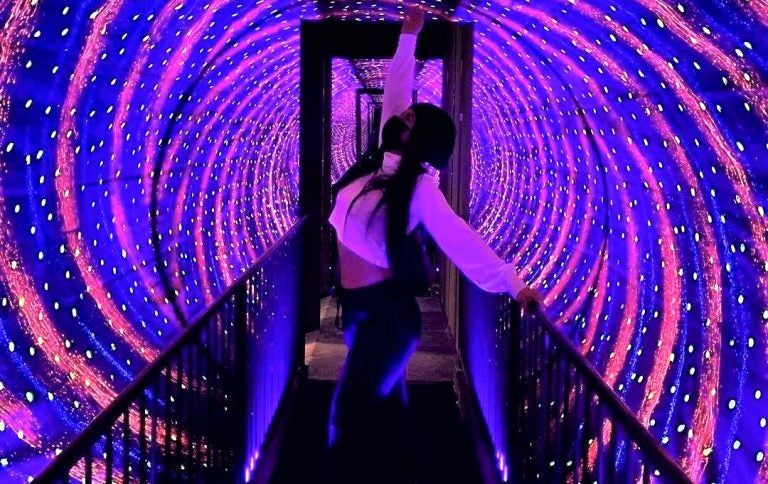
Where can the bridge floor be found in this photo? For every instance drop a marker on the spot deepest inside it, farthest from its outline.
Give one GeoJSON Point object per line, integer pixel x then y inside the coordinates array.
{"type": "Point", "coordinates": [446, 456]}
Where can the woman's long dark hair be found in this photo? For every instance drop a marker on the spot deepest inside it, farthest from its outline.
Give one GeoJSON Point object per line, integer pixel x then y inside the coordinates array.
{"type": "Point", "coordinates": [431, 140]}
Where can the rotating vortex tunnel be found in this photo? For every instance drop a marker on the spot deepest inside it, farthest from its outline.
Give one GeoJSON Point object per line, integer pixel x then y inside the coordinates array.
{"type": "Point", "coordinates": [149, 153]}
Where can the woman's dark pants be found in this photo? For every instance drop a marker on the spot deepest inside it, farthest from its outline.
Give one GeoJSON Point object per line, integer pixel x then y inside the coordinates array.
{"type": "Point", "coordinates": [370, 429]}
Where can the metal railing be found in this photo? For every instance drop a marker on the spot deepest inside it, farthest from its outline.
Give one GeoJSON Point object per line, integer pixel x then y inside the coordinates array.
{"type": "Point", "coordinates": [201, 411]}
{"type": "Point", "coordinates": [550, 416]}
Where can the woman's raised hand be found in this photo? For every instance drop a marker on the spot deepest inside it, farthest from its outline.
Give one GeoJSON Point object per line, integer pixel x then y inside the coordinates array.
{"type": "Point", "coordinates": [414, 19]}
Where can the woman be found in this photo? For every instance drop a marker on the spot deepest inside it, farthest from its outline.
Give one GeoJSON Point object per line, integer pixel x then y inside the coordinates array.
{"type": "Point", "coordinates": [377, 205]}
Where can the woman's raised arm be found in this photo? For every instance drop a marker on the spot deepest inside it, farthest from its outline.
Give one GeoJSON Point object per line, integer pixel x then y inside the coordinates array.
{"type": "Point", "coordinates": [398, 87]}
{"type": "Point", "coordinates": [465, 248]}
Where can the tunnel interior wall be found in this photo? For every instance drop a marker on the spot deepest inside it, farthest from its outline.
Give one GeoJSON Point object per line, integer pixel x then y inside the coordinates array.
{"type": "Point", "coordinates": [149, 154]}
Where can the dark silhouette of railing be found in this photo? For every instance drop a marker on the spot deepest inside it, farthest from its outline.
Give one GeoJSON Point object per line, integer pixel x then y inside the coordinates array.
{"type": "Point", "coordinates": [550, 416]}
{"type": "Point", "coordinates": [201, 412]}
{"type": "Point", "coordinates": [202, 409]}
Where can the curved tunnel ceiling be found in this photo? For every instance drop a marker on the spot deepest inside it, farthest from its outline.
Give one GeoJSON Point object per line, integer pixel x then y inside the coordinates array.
{"type": "Point", "coordinates": [149, 153]}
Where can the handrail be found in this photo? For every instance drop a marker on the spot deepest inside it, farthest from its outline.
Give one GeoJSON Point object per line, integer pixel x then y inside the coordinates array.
{"type": "Point", "coordinates": [549, 416]}
{"type": "Point", "coordinates": [122, 403]}
{"type": "Point", "coordinates": [206, 313]}
{"type": "Point", "coordinates": [636, 430]}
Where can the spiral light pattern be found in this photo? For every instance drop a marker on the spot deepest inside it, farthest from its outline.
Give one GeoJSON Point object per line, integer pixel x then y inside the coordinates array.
{"type": "Point", "coordinates": [149, 153]}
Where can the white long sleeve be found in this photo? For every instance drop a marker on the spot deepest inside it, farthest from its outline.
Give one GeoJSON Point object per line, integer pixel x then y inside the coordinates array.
{"type": "Point", "coordinates": [428, 207]}
{"type": "Point", "coordinates": [463, 246]}
{"type": "Point", "coordinates": [398, 86]}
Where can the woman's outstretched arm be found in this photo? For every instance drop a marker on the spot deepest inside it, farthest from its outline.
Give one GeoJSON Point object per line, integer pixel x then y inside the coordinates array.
{"type": "Point", "coordinates": [398, 87]}
{"type": "Point", "coordinates": [465, 247]}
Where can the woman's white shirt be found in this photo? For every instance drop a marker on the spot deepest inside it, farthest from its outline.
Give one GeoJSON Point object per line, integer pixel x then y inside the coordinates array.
{"type": "Point", "coordinates": [463, 246]}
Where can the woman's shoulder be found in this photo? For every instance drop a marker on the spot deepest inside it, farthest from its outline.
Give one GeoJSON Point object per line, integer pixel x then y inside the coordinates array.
{"type": "Point", "coordinates": [427, 189]}
{"type": "Point", "coordinates": [427, 178]}
{"type": "Point", "coordinates": [426, 182]}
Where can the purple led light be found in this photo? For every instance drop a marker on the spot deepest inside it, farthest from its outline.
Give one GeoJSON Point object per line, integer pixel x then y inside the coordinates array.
{"type": "Point", "coordinates": [617, 159]}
